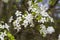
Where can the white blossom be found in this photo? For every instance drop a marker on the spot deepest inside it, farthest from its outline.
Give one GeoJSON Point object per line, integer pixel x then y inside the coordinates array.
{"type": "Point", "coordinates": [30, 2]}
{"type": "Point", "coordinates": [6, 26]}
{"type": "Point", "coordinates": [17, 21]}
{"type": "Point", "coordinates": [43, 30]}
{"type": "Point", "coordinates": [6, 1]}
{"type": "Point", "coordinates": [25, 23]}
{"type": "Point", "coordinates": [28, 20]}
{"type": "Point", "coordinates": [17, 28]}
{"type": "Point", "coordinates": [50, 30]}
{"type": "Point", "coordinates": [2, 35]}
{"type": "Point", "coordinates": [59, 37]}
{"type": "Point", "coordinates": [43, 13]}
{"type": "Point", "coordinates": [51, 19]}
{"type": "Point", "coordinates": [29, 17]}
{"type": "Point", "coordinates": [30, 8]}
{"type": "Point", "coordinates": [18, 13]}
{"type": "Point", "coordinates": [17, 24]}
{"type": "Point", "coordinates": [42, 20]}
{"type": "Point", "coordinates": [43, 7]}
{"type": "Point", "coordinates": [11, 18]}
{"type": "Point", "coordinates": [35, 1]}
{"type": "Point", "coordinates": [1, 38]}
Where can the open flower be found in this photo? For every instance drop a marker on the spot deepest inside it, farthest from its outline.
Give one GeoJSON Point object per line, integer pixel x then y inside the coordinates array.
{"type": "Point", "coordinates": [6, 26]}
{"type": "Point", "coordinates": [42, 20]}
{"type": "Point", "coordinates": [43, 7]}
{"type": "Point", "coordinates": [17, 24]}
{"type": "Point", "coordinates": [29, 17]}
{"type": "Point", "coordinates": [17, 21]}
{"type": "Point", "coordinates": [45, 14]}
{"type": "Point", "coordinates": [18, 13]}
{"type": "Point", "coordinates": [25, 23]}
{"type": "Point", "coordinates": [30, 2]}
{"type": "Point", "coordinates": [50, 30]}
{"type": "Point", "coordinates": [2, 35]}
{"type": "Point", "coordinates": [43, 30]}
{"type": "Point", "coordinates": [17, 28]}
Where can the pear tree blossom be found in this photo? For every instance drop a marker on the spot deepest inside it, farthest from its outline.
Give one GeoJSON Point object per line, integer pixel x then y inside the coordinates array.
{"type": "Point", "coordinates": [6, 26]}
{"type": "Point", "coordinates": [42, 20]}
{"type": "Point", "coordinates": [41, 15]}
{"type": "Point", "coordinates": [34, 17]}
{"type": "Point", "coordinates": [18, 13]}
{"type": "Point", "coordinates": [43, 30]}
{"type": "Point", "coordinates": [50, 30]}
{"type": "Point", "coordinates": [2, 35]}
{"type": "Point", "coordinates": [16, 23]}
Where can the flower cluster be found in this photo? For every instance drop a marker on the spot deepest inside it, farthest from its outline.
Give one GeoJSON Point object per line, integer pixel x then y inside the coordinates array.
{"type": "Point", "coordinates": [16, 23]}
{"type": "Point", "coordinates": [38, 13]}
{"type": "Point", "coordinates": [35, 15]}
{"type": "Point", "coordinates": [4, 27]}
{"type": "Point", "coordinates": [45, 30]}
{"type": "Point", "coordinates": [2, 35]}
{"type": "Point", "coordinates": [45, 18]}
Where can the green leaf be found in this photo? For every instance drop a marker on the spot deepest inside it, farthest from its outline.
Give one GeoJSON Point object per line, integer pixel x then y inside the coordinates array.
{"type": "Point", "coordinates": [10, 36]}
{"type": "Point", "coordinates": [39, 0]}
{"type": "Point", "coordinates": [38, 17]}
{"type": "Point", "coordinates": [33, 13]}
